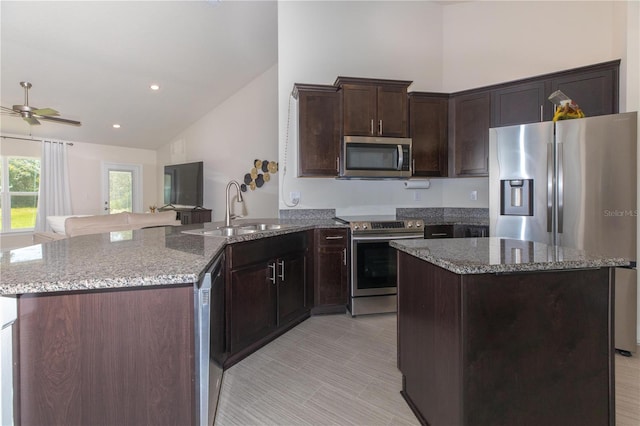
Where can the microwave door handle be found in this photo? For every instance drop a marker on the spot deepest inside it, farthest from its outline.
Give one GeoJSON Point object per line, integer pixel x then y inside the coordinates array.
{"type": "Point", "coordinates": [400, 157]}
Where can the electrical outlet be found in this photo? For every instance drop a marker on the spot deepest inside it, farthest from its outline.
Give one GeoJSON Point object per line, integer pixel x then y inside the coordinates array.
{"type": "Point", "coordinates": [294, 197]}
{"type": "Point", "coordinates": [473, 195]}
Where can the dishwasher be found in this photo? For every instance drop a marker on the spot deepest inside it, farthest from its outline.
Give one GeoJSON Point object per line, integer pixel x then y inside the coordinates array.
{"type": "Point", "coordinates": [209, 343]}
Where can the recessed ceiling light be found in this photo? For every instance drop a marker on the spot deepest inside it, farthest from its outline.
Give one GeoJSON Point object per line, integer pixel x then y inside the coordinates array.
{"type": "Point", "coordinates": [116, 126]}
{"type": "Point", "coordinates": [154, 87]}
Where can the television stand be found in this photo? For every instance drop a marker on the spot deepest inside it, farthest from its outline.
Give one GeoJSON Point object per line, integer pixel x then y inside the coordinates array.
{"type": "Point", "coordinates": [187, 216]}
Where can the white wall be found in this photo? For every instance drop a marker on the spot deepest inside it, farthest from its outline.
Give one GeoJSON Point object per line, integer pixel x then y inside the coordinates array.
{"type": "Point", "coordinates": [441, 48]}
{"type": "Point", "coordinates": [496, 41]}
{"type": "Point", "coordinates": [228, 139]}
{"type": "Point", "coordinates": [85, 174]}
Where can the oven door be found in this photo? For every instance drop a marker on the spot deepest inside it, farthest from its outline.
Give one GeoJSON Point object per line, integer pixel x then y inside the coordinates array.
{"type": "Point", "coordinates": [373, 264]}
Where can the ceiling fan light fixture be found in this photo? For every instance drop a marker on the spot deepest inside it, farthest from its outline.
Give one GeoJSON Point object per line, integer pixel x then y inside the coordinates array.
{"type": "Point", "coordinates": [154, 87]}
{"type": "Point", "coordinates": [116, 126]}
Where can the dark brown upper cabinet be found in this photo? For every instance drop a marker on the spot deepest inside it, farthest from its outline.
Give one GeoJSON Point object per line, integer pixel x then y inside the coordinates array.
{"type": "Point", "coordinates": [319, 124]}
{"type": "Point", "coordinates": [594, 88]}
{"type": "Point", "coordinates": [518, 104]}
{"type": "Point", "coordinates": [373, 107]}
{"type": "Point", "coordinates": [428, 129]}
{"type": "Point", "coordinates": [470, 117]}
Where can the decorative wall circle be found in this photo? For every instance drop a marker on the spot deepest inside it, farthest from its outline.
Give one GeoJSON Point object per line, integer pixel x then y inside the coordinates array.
{"type": "Point", "coordinates": [255, 179]}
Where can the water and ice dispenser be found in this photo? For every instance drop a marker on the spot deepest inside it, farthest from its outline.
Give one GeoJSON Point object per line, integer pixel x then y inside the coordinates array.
{"type": "Point", "coordinates": [516, 197]}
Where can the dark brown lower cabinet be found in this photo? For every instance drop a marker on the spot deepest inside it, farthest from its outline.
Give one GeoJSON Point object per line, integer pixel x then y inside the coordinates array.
{"type": "Point", "coordinates": [265, 291]}
{"type": "Point", "coordinates": [331, 266]}
{"type": "Point", "coordinates": [506, 349]}
{"type": "Point", "coordinates": [120, 357]}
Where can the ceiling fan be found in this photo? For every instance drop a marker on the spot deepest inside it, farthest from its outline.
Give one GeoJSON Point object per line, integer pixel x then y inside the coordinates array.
{"type": "Point", "coordinates": [31, 114]}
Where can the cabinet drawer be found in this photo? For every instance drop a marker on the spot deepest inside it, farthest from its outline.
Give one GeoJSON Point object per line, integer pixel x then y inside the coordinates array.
{"type": "Point", "coordinates": [332, 237]}
{"type": "Point", "coordinates": [438, 231]}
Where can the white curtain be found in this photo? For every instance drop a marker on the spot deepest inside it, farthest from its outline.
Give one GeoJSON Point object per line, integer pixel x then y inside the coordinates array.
{"type": "Point", "coordinates": [54, 198]}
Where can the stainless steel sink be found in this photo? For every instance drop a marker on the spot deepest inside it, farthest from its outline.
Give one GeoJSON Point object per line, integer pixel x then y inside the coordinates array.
{"type": "Point", "coordinates": [240, 229]}
{"type": "Point", "coordinates": [221, 232]}
{"type": "Point", "coordinates": [261, 226]}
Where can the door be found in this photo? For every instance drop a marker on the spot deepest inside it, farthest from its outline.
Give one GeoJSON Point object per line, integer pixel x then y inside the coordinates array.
{"type": "Point", "coordinates": [597, 202]}
{"type": "Point", "coordinates": [518, 154]}
{"type": "Point", "coordinates": [121, 188]}
{"type": "Point", "coordinates": [291, 274]}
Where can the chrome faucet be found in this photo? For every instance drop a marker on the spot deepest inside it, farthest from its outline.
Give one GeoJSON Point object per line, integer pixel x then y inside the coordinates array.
{"type": "Point", "coordinates": [227, 214]}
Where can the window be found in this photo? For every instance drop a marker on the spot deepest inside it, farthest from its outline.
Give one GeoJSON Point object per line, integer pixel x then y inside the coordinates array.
{"type": "Point", "coordinates": [19, 182]}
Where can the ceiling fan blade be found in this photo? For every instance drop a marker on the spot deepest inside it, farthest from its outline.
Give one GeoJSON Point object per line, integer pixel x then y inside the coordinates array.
{"type": "Point", "coordinates": [45, 111]}
{"type": "Point", "coordinates": [31, 120]}
{"type": "Point", "coordinates": [59, 120]}
{"type": "Point", "coordinates": [7, 109]}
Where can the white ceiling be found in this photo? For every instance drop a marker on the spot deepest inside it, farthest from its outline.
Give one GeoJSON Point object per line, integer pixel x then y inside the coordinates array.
{"type": "Point", "coordinates": [93, 61]}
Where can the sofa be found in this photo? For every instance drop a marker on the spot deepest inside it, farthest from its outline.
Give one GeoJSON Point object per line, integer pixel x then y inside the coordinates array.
{"type": "Point", "coordinates": [72, 226]}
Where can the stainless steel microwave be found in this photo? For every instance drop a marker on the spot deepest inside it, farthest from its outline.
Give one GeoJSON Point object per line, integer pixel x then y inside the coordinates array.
{"type": "Point", "coordinates": [371, 157]}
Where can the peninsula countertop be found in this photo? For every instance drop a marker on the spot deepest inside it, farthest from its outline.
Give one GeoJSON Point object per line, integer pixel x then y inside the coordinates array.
{"type": "Point", "coordinates": [499, 255]}
{"type": "Point", "coordinates": [146, 257]}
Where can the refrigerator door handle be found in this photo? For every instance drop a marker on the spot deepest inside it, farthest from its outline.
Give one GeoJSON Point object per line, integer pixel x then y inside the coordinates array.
{"type": "Point", "coordinates": [560, 188]}
{"type": "Point", "coordinates": [549, 187]}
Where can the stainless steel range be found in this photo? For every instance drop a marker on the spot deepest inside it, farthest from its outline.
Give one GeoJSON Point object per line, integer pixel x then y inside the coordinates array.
{"type": "Point", "coordinates": [373, 262]}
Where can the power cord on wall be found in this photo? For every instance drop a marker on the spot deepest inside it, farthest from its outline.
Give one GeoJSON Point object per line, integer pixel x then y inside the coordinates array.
{"type": "Point", "coordinates": [284, 169]}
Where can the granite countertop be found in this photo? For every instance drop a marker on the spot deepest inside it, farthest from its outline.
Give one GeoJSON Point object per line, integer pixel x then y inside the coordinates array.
{"type": "Point", "coordinates": [495, 255]}
{"type": "Point", "coordinates": [146, 257]}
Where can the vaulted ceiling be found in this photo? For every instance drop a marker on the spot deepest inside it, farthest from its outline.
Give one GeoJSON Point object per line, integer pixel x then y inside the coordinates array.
{"type": "Point", "coordinates": [94, 61]}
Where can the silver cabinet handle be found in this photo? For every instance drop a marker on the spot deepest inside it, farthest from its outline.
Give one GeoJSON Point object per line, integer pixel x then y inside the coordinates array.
{"type": "Point", "coordinates": [549, 187]}
{"type": "Point", "coordinates": [338, 164]}
{"type": "Point", "coordinates": [273, 273]}
{"type": "Point", "coordinates": [281, 264]}
{"type": "Point", "coordinates": [344, 256]}
{"type": "Point", "coordinates": [439, 234]}
{"type": "Point", "coordinates": [541, 113]}
{"type": "Point", "coordinates": [413, 166]}
{"type": "Point", "coordinates": [334, 237]}
{"type": "Point", "coordinates": [380, 127]}
{"type": "Point", "coordinates": [372, 126]}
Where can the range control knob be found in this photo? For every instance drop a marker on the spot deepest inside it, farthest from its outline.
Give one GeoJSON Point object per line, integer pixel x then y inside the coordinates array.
{"type": "Point", "coordinates": [356, 227]}
{"type": "Point", "coordinates": [364, 226]}
{"type": "Point", "coordinates": [410, 224]}
{"type": "Point", "coordinates": [418, 224]}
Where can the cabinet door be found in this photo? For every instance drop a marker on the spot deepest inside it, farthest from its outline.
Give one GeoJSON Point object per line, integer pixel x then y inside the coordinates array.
{"type": "Point", "coordinates": [291, 271]}
{"type": "Point", "coordinates": [596, 92]}
{"type": "Point", "coordinates": [471, 134]}
{"type": "Point", "coordinates": [392, 112]}
{"type": "Point", "coordinates": [428, 122]}
{"type": "Point", "coordinates": [360, 114]}
{"type": "Point", "coordinates": [331, 265]}
{"type": "Point", "coordinates": [319, 115]}
{"type": "Point", "coordinates": [252, 304]}
{"type": "Point", "coordinates": [518, 104]}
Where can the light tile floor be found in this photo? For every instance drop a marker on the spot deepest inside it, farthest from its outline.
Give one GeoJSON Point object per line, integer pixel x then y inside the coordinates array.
{"type": "Point", "coordinates": [338, 370]}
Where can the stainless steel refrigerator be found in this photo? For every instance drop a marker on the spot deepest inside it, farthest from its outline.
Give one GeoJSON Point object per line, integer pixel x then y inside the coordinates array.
{"type": "Point", "coordinates": [572, 183]}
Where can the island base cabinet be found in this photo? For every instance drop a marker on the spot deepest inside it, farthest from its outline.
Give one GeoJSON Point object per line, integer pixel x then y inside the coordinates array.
{"type": "Point", "coordinates": [531, 348]}
{"type": "Point", "coordinates": [120, 357]}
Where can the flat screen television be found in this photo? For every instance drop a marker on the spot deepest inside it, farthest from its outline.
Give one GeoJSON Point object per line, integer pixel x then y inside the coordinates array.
{"type": "Point", "coordinates": [183, 184]}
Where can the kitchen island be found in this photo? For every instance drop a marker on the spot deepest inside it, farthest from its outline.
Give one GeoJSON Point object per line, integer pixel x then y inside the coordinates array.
{"type": "Point", "coordinates": [495, 331]}
{"type": "Point", "coordinates": [108, 325]}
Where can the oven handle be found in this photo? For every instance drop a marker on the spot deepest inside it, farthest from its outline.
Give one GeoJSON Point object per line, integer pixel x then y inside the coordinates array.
{"type": "Point", "coordinates": [387, 237]}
